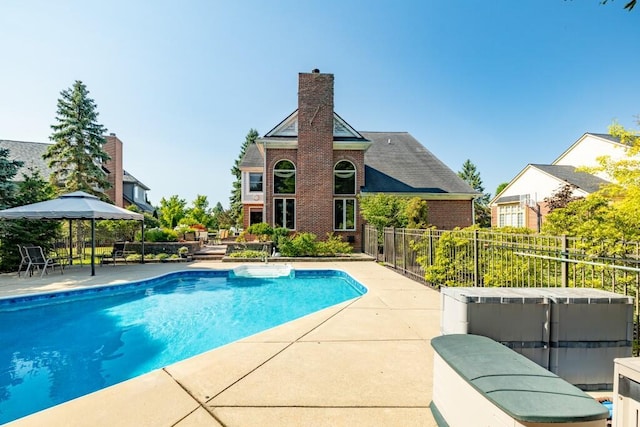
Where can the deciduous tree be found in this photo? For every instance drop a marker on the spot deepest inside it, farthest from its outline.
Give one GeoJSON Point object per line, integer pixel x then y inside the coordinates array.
{"type": "Point", "coordinates": [561, 197]}
{"type": "Point", "coordinates": [200, 213]}
{"type": "Point", "coordinates": [171, 211]}
{"type": "Point", "coordinates": [629, 5]}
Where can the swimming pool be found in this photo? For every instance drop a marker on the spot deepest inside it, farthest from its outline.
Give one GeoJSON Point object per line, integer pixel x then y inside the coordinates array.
{"type": "Point", "coordinates": [58, 346]}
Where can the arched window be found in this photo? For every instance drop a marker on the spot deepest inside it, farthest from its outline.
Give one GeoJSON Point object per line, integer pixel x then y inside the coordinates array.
{"type": "Point", "coordinates": [284, 178]}
{"type": "Point", "coordinates": [344, 178]}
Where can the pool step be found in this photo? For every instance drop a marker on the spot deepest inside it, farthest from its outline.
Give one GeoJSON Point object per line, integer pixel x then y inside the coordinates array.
{"type": "Point", "coordinates": [210, 253]}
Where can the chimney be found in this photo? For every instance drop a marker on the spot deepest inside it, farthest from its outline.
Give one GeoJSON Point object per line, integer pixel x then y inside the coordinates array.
{"type": "Point", "coordinates": [113, 147]}
{"type": "Point", "coordinates": [315, 103]}
{"type": "Point", "coordinates": [315, 158]}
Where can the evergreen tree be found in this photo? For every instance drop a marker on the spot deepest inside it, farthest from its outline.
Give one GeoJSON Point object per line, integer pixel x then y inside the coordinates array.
{"type": "Point", "coordinates": [235, 209]}
{"type": "Point", "coordinates": [78, 150]}
{"type": "Point", "coordinates": [8, 170]}
{"type": "Point", "coordinates": [31, 189]}
{"type": "Point", "coordinates": [471, 176]}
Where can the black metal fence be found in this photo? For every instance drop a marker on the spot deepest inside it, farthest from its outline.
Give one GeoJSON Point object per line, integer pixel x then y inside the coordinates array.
{"type": "Point", "coordinates": [490, 258]}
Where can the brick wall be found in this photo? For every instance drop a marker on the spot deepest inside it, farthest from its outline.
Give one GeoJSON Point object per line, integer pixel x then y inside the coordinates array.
{"type": "Point", "coordinates": [448, 214]}
{"type": "Point", "coordinates": [113, 148]}
{"type": "Point", "coordinates": [314, 187]}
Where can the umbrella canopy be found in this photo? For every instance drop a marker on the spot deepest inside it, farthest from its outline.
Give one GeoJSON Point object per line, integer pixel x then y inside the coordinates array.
{"type": "Point", "coordinates": [76, 205]}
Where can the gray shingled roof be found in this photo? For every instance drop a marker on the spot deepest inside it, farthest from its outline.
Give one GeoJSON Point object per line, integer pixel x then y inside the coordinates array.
{"type": "Point", "coordinates": [605, 136]}
{"type": "Point", "coordinates": [582, 180]}
{"type": "Point", "coordinates": [252, 157]}
{"type": "Point", "coordinates": [397, 163]}
{"type": "Point", "coordinates": [127, 177]}
{"type": "Point", "coordinates": [402, 165]}
{"type": "Point", "coordinates": [30, 153]}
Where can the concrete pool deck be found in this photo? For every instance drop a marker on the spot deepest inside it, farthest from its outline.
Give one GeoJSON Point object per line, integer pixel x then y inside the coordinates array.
{"type": "Point", "coordinates": [364, 362]}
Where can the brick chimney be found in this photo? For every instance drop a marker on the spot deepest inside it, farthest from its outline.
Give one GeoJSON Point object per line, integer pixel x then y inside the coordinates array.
{"type": "Point", "coordinates": [314, 192]}
{"type": "Point", "coordinates": [113, 148]}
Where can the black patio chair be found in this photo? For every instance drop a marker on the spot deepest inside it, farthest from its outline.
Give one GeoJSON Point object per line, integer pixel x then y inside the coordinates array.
{"type": "Point", "coordinates": [118, 253]}
{"type": "Point", "coordinates": [39, 261]}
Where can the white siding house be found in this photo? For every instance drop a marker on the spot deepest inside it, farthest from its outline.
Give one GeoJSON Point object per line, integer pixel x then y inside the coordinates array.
{"type": "Point", "coordinates": [521, 202]}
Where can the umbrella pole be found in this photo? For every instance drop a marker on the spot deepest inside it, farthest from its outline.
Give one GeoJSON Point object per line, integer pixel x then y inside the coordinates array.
{"type": "Point", "coordinates": [93, 246]}
{"type": "Point", "coordinates": [142, 238]}
{"type": "Point", "coordinates": [70, 242]}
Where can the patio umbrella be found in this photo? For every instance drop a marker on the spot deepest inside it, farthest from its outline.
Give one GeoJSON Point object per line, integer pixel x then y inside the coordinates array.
{"type": "Point", "coordinates": [76, 205]}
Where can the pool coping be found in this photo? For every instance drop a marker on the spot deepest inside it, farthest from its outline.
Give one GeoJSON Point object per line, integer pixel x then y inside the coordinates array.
{"type": "Point", "coordinates": [367, 361]}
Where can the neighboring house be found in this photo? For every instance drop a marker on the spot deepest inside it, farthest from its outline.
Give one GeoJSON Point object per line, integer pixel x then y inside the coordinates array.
{"type": "Point", "coordinates": [125, 189]}
{"type": "Point", "coordinates": [134, 192]}
{"type": "Point", "coordinates": [307, 172]}
{"type": "Point", "coordinates": [521, 203]}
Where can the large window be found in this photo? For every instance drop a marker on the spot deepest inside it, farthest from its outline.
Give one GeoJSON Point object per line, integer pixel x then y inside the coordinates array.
{"type": "Point", "coordinates": [344, 178]}
{"type": "Point", "coordinates": [284, 211]}
{"type": "Point", "coordinates": [510, 215]}
{"type": "Point", "coordinates": [284, 178]}
{"type": "Point", "coordinates": [255, 182]}
{"type": "Point", "coordinates": [344, 214]}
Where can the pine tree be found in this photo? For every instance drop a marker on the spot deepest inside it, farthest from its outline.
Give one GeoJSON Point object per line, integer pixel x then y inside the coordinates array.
{"type": "Point", "coordinates": [31, 189]}
{"type": "Point", "coordinates": [8, 170]}
{"type": "Point", "coordinates": [78, 150]}
{"type": "Point", "coordinates": [236, 193]}
{"type": "Point", "coordinates": [471, 176]}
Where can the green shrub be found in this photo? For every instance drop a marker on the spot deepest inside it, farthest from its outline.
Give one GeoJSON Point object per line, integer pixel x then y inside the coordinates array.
{"type": "Point", "coordinates": [261, 230]}
{"type": "Point", "coordinates": [333, 246]}
{"type": "Point", "coordinates": [161, 235]}
{"type": "Point", "coordinates": [162, 256]}
{"type": "Point", "coordinates": [302, 244]}
{"type": "Point", "coordinates": [277, 233]}
{"type": "Point", "coordinates": [247, 253]}
{"type": "Point", "coordinates": [134, 258]}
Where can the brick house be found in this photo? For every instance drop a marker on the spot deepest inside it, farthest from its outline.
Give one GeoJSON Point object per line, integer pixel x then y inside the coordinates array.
{"type": "Point", "coordinates": [125, 189]}
{"type": "Point", "coordinates": [306, 173]}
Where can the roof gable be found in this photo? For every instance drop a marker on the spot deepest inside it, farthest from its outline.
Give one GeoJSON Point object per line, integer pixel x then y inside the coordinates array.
{"type": "Point", "coordinates": [288, 128]}
{"type": "Point", "coordinates": [588, 147]}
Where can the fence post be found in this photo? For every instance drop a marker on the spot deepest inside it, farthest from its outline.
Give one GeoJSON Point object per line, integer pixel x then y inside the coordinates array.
{"type": "Point", "coordinates": [564, 266]}
{"type": "Point", "coordinates": [404, 250]}
{"type": "Point", "coordinates": [430, 248]}
{"type": "Point", "coordinates": [476, 260]}
{"type": "Point", "coordinates": [393, 243]}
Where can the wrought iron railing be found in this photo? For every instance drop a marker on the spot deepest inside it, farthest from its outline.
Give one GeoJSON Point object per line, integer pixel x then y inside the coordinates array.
{"type": "Point", "coordinates": [490, 258]}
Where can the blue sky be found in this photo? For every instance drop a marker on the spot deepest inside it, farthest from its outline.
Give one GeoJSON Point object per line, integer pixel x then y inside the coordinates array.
{"type": "Point", "coordinates": [499, 82]}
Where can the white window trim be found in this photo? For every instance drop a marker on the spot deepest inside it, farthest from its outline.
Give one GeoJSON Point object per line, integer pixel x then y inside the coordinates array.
{"type": "Point", "coordinates": [344, 213]}
{"type": "Point", "coordinates": [511, 216]}
{"type": "Point", "coordinates": [295, 176]}
{"type": "Point", "coordinates": [250, 191]}
{"type": "Point", "coordinates": [295, 208]}
{"type": "Point", "coordinates": [355, 178]}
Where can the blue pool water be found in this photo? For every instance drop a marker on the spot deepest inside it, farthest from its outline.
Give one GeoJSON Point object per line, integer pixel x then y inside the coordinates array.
{"type": "Point", "coordinates": [59, 346]}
